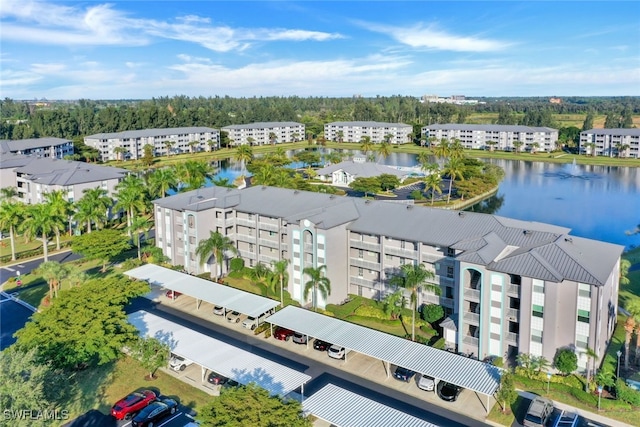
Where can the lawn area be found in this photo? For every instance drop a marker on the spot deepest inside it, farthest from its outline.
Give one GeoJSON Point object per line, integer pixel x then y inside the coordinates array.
{"type": "Point", "coordinates": [632, 290]}
{"type": "Point", "coordinates": [31, 248]}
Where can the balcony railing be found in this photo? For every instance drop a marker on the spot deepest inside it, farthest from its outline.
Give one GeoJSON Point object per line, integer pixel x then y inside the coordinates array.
{"type": "Point", "coordinates": [513, 314]}
{"type": "Point", "coordinates": [432, 258]}
{"type": "Point", "coordinates": [513, 289]}
{"type": "Point", "coordinates": [358, 262]}
{"type": "Point", "coordinates": [472, 294]}
{"type": "Point", "coordinates": [362, 281]}
{"type": "Point", "coordinates": [246, 221]}
{"type": "Point", "coordinates": [511, 338]}
{"type": "Point", "coordinates": [395, 250]}
{"type": "Point", "coordinates": [359, 244]}
{"type": "Point", "coordinates": [267, 258]}
{"type": "Point", "coordinates": [247, 254]}
{"type": "Point", "coordinates": [470, 341]}
{"type": "Point", "coordinates": [268, 226]}
{"type": "Point", "coordinates": [471, 317]}
{"type": "Point", "coordinates": [268, 242]}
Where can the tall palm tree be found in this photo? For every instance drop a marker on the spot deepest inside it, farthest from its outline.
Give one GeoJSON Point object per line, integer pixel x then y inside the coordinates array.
{"type": "Point", "coordinates": [433, 182]}
{"type": "Point", "coordinates": [365, 144]}
{"type": "Point", "coordinates": [161, 181]}
{"type": "Point", "coordinates": [216, 245]}
{"type": "Point", "coordinates": [193, 173]}
{"type": "Point", "coordinates": [411, 277]}
{"type": "Point", "coordinates": [76, 276]}
{"type": "Point", "coordinates": [93, 207]}
{"type": "Point", "coordinates": [62, 210]}
{"type": "Point", "coordinates": [11, 217]}
{"type": "Point", "coordinates": [8, 193]}
{"type": "Point", "coordinates": [633, 307]}
{"type": "Point", "coordinates": [384, 149]}
{"type": "Point", "coordinates": [424, 159]}
{"type": "Point", "coordinates": [39, 221]}
{"type": "Point", "coordinates": [456, 149]}
{"type": "Point", "coordinates": [244, 154]}
{"type": "Point", "coordinates": [443, 149]}
{"type": "Point", "coordinates": [139, 224]}
{"type": "Point", "coordinates": [454, 170]}
{"type": "Point", "coordinates": [591, 355]}
{"type": "Point", "coordinates": [272, 138]}
{"type": "Point", "coordinates": [130, 197]}
{"type": "Point", "coordinates": [168, 145]}
{"type": "Point", "coordinates": [517, 145]}
{"type": "Point", "coordinates": [53, 273]}
{"type": "Point", "coordinates": [280, 269]}
{"type": "Point", "coordinates": [264, 175]}
{"type": "Point", "coordinates": [317, 282]}
{"type": "Point", "coordinates": [120, 152]}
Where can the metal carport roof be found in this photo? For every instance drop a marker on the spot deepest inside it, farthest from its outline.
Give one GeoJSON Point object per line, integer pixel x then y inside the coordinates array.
{"type": "Point", "coordinates": [218, 356]}
{"type": "Point", "coordinates": [471, 374]}
{"type": "Point", "coordinates": [343, 408]}
{"type": "Point", "coordinates": [205, 290]}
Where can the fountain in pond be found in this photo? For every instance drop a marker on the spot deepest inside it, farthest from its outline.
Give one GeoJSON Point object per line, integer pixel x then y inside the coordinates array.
{"type": "Point", "coordinates": [571, 170]}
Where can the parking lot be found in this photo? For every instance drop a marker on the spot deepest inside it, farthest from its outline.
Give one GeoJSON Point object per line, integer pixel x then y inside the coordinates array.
{"type": "Point", "coordinates": [13, 317]}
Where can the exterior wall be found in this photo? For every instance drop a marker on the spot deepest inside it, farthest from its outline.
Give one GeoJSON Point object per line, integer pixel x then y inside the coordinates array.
{"type": "Point", "coordinates": [354, 132]}
{"type": "Point", "coordinates": [31, 192]}
{"type": "Point", "coordinates": [607, 142]}
{"type": "Point", "coordinates": [240, 134]}
{"type": "Point", "coordinates": [56, 150]}
{"type": "Point", "coordinates": [478, 139]}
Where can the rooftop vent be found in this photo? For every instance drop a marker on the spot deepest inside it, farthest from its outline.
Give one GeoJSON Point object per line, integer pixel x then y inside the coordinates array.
{"type": "Point", "coordinates": [366, 202]}
{"type": "Point", "coordinates": [409, 207]}
{"type": "Point", "coordinates": [460, 213]}
{"type": "Point", "coordinates": [295, 191]}
{"type": "Point", "coordinates": [568, 239]}
{"type": "Point", "coordinates": [526, 232]}
{"type": "Point", "coordinates": [264, 187]}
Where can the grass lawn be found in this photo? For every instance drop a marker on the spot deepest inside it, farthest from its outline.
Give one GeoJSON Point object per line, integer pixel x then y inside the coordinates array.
{"type": "Point", "coordinates": [22, 246]}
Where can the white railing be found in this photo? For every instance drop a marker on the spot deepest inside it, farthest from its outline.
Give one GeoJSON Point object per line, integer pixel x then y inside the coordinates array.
{"type": "Point", "coordinates": [472, 293]}
{"type": "Point", "coordinates": [359, 244]}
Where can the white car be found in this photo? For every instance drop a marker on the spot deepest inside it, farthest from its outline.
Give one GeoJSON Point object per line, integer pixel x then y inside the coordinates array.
{"type": "Point", "coordinates": [252, 322]}
{"type": "Point", "coordinates": [218, 310]}
{"type": "Point", "coordinates": [233, 317]}
{"type": "Point", "coordinates": [179, 363]}
{"type": "Point", "coordinates": [337, 352]}
{"type": "Point", "coordinates": [426, 383]}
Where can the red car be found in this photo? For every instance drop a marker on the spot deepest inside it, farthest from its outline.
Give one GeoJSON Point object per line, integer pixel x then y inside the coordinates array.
{"type": "Point", "coordinates": [125, 408]}
{"type": "Point", "coordinates": [283, 334]}
{"type": "Point", "coordinates": [173, 294]}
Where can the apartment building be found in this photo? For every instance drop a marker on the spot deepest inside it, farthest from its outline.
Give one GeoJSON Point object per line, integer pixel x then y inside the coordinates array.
{"type": "Point", "coordinates": [509, 286]}
{"type": "Point", "coordinates": [396, 133]}
{"type": "Point", "coordinates": [56, 148]}
{"type": "Point", "coordinates": [496, 137]}
{"type": "Point", "coordinates": [264, 133]}
{"type": "Point", "coordinates": [130, 144]}
{"type": "Point", "coordinates": [611, 142]}
{"type": "Point", "coordinates": [33, 177]}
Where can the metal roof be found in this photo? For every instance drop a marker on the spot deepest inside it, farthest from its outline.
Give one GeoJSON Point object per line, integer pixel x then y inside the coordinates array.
{"type": "Point", "coordinates": [616, 132]}
{"type": "Point", "coordinates": [218, 356]}
{"type": "Point", "coordinates": [52, 171]}
{"type": "Point", "coordinates": [205, 290]}
{"type": "Point", "coordinates": [343, 408]}
{"type": "Point", "coordinates": [31, 143]}
{"type": "Point", "coordinates": [459, 370]}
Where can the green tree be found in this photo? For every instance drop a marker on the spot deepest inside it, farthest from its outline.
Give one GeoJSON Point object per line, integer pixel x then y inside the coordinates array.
{"type": "Point", "coordinates": [365, 144]}
{"type": "Point", "coordinates": [588, 121]}
{"type": "Point", "coordinates": [442, 150]}
{"type": "Point", "coordinates": [527, 363]}
{"type": "Point", "coordinates": [61, 209]}
{"type": "Point", "coordinates": [87, 325]}
{"type": "Point", "coordinates": [566, 361]}
{"type": "Point", "coordinates": [367, 185]}
{"type": "Point", "coordinates": [131, 197]}
{"type": "Point", "coordinates": [384, 149]}
{"type": "Point", "coordinates": [507, 393]}
{"type": "Point", "coordinates": [193, 174]}
{"type": "Point", "coordinates": [252, 406]}
{"type": "Point", "coordinates": [454, 169]}
{"type": "Point", "coordinates": [412, 277]}
{"type": "Point", "coordinates": [318, 282]}
{"type": "Point", "coordinates": [216, 245]}
{"type": "Point", "coordinates": [432, 313]}
{"type": "Point", "coordinates": [388, 181]}
{"type": "Point", "coordinates": [139, 228]}
{"type": "Point", "coordinates": [103, 245]}
{"type": "Point", "coordinates": [151, 353]}
{"type": "Point", "coordinates": [280, 270]}
{"type": "Point", "coordinates": [244, 154]}
{"type": "Point", "coordinates": [39, 221]}
{"type": "Point", "coordinates": [93, 207]}
{"type": "Point", "coordinates": [308, 158]}
{"type": "Point", "coordinates": [540, 363]}
{"type": "Point", "coordinates": [120, 153]}
{"type": "Point", "coordinates": [169, 146]}
{"type": "Point", "coordinates": [11, 217]}
{"type": "Point", "coordinates": [591, 355]}
{"type": "Point", "coordinates": [605, 376]}
{"type": "Point", "coordinates": [148, 155]}
{"type": "Point", "coordinates": [517, 145]}
{"type": "Point", "coordinates": [393, 303]}
{"type": "Point", "coordinates": [433, 183]}
{"type": "Point", "coordinates": [161, 181]}
{"type": "Point", "coordinates": [53, 273]}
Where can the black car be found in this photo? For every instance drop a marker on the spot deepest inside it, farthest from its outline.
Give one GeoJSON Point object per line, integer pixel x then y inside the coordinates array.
{"type": "Point", "coordinates": [321, 345]}
{"type": "Point", "coordinates": [403, 374]}
{"type": "Point", "coordinates": [447, 391]}
{"type": "Point", "coordinates": [154, 412]}
{"type": "Point", "coordinates": [216, 379]}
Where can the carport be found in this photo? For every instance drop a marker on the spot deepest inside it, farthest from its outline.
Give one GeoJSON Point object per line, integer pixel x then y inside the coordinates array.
{"type": "Point", "coordinates": [342, 407]}
{"type": "Point", "coordinates": [217, 356]}
{"type": "Point", "coordinates": [477, 376]}
{"type": "Point", "coordinates": [204, 290]}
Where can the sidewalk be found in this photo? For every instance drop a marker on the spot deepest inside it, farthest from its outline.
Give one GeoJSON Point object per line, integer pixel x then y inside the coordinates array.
{"type": "Point", "coordinates": [590, 415]}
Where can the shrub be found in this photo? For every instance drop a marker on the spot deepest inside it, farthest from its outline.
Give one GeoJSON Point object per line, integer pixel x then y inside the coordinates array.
{"type": "Point", "coordinates": [627, 394]}
{"type": "Point", "coordinates": [498, 361]}
{"type": "Point", "coordinates": [432, 313]}
{"type": "Point", "coordinates": [236, 264]}
{"type": "Point", "coordinates": [236, 275]}
{"type": "Point", "coordinates": [262, 328]}
{"type": "Point", "coordinates": [416, 195]}
{"type": "Point", "coordinates": [565, 361]}
{"type": "Point", "coordinates": [439, 344]}
{"type": "Point", "coordinates": [368, 311]}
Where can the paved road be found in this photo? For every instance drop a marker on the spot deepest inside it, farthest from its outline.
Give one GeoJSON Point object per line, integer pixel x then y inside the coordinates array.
{"type": "Point", "coordinates": [29, 266]}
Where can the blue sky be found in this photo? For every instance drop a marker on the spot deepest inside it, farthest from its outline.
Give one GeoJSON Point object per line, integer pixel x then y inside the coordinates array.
{"type": "Point", "coordinates": [144, 49]}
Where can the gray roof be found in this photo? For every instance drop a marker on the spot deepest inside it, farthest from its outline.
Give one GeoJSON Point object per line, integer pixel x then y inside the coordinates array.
{"type": "Point", "coordinates": [368, 124]}
{"type": "Point", "coordinates": [201, 199]}
{"type": "Point", "coordinates": [439, 364]}
{"type": "Point", "coordinates": [617, 131]}
{"type": "Point", "coordinates": [489, 128]}
{"type": "Point", "coordinates": [146, 133]}
{"type": "Point", "coordinates": [341, 407]}
{"type": "Point", "coordinates": [218, 356]}
{"type": "Point", "coordinates": [50, 171]}
{"type": "Point", "coordinates": [362, 169]}
{"type": "Point", "coordinates": [10, 160]}
{"type": "Point", "coordinates": [12, 146]}
{"type": "Point", "coordinates": [205, 290]}
{"type": "Point", "coordinates": [264, 125]}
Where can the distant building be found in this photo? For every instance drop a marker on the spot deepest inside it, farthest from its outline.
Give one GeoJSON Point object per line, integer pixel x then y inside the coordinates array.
{"type": "Point", "coordinates": [555, 100]}
{"type": "Point", "coordinates": [453, 99]}
{"type": "Point", "coordinates": [39, 147]}
{"type": "Point", "coordinates": [398, 133]}
{"type": "Point", "coordinates": [344, 173]}
{"type": "Point", "coordinates": [130, 144]}
{"type": "Point", "coordinates": [611, 142]}
{"type": "Point", "coordinates": [504, 136]}
{"type": "Point", "coordinates": [264, 133]}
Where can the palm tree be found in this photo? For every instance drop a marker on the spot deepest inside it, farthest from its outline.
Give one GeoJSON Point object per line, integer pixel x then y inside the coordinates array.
{"type": "Point", "coordinates": [272, 138]}
{"type": "Point", "coordinates": [340, 135]}
{"type": "Point", "coordinates": [384, 149]}
{"type": "Point", "coordinates": [394, 303]}
{"type": "Point", "coordinates": [534, 147]}
{"type": "Point", "coordinates": [456, 149]}
{"type": "Point", "coordinates": [161, 181]}
{"type": "Point", "coordinates": [454, 169]}
{"type": "Point", "coordinates": [76, 276]}
{"type": "Point", "coordinates": [433, 182]}
{"type": "Point", "coordinates": [244, 154]}
{"type": "Point", "coordinates": [412, 277]}
{"type": "Point", "coordinates": [541, 363]}
{"type": "Point", "coordinates": [366, 145]}
{"type": "Point", "coordinates": [605, 376]}
{"type": "Point", "coordinates": [526, 362]}
{"type": "Point", "coordinates": [424, 159]}
{"type": "Point", "coordinates": [317, 282]}
{"type": "Point", "coordinates": [93, 207]}
{"type": "Point", "coordinates": [39, 221]}
{"type": "Point", "coordinates": [193, 174]}
{"type": "Point", "coordinates": [139, 224]}
{"type": "Point", "coordinates": [280, 269]}
{"type": "Point", "coordinates": [625, 265]}
{"type": "Point", "coordinates": [192, 145]}
{"type": "Point", "coordinates": [222, 182]}
{"type": "Point", "coordinates": [492, 145]}
{"type": "Point", "coordinates": [517, 145]}
{"type": "Point", "coordinates": [211, 143]}
{"type": "Point", "coordinates": [120, 152]}
{"type": "Point", "coordinates": [264, 175]}
{"type": "Point", "coordinates": [216, 245]}
{"type": "Point", "coordinates": [168, 145]}
{"type": "Point", "coordinates": [633, 307]}
{"type": "Point", "coordinates": [629, 327]}
{"type": "Point", "coordinates": [591, 355]}
{"type": "Point", "coordinates": [62, 210]}
{"type": "Point", "coordinates": [8, 193]}
{"type": "Point", "coordinates": [443, 149]}
{"type": "Point", "coordinates": [11, 217]}
{"type": "Point", "coordinates": [130, 197]}
{"type": "Point", "coordinates": [52, 272]}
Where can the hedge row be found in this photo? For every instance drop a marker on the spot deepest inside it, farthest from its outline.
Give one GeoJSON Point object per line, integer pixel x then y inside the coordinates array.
{"type": "Point", "coordinates": [32, 252]}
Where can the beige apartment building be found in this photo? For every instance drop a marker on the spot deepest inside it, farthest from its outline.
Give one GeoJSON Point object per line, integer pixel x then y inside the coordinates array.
{"type": "Point", "coordinates": [611, 142]}
{"type": "Point", "coordinates": [507, 285]}
{"type": "Point", "coordinates": [395, 133]}
{"type": "Point", "coordinates": [264, 133]}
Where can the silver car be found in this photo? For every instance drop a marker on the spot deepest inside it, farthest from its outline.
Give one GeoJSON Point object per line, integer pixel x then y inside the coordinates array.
{"type": "Point", "coordinates": [426, 383]}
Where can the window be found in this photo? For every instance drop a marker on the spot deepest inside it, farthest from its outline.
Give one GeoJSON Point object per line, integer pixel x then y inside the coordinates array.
{"type": "Point", "coordinates": [584, 290]}
{"type": "Point", "coordinates": [360, 253]}
{"type": "Point", "coordinates": [450, 272]}
{"type": "Point", "coordinates": [451, 252]}
{"type": "Point", "coordinates": [250, 247]}
{"type": "Point", "coordinates": [582, 341]}
{"type": "Point", "coordinates": [583, 316]}
{"type": "Point", "coordinates": [536, 336]}
{"type": "Point", "coordinates": [448, 291]}
{"type": "Point", "coordinates": [538, 287]}
{"type": "Point", "coordinates": [360, 272]}
{"type": "Point", "coordinates": [191, 221]}
{"type": "Point", "coordinates": [537, 311]}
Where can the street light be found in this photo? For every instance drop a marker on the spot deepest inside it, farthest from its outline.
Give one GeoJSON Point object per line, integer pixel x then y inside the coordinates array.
{"type": "Point", "coordinates": [548, 381]}
{"type": "Point", "coordinates": [599, 396]}
{"type": "Point", "coordinates": [618, 353]}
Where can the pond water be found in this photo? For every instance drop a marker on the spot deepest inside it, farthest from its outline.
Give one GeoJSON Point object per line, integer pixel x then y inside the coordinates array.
{"type": "Point", "coordinates": [597, 202]}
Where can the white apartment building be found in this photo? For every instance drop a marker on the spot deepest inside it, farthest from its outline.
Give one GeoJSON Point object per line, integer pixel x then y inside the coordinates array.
{"type": "Point", "coordinates": [478, 136]}
{"type": "Point", "coordinates": [611, 142]}
{"type": "Point", "coordinates": [509, 286]}
{"type": "Point", "coordinates": [164, 142]}
{"type": "Point", "coordinates": [264, 133]}
{"type": "Point", "coordinates": [396, 133]}
{"type": "Point", "coordinates": [56, 148]}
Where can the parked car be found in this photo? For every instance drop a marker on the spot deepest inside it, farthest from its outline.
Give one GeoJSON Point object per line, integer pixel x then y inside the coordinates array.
{"type": "Point", "coordinates": [218, 310]}
{"type": "Point", "coordinates": [426, 383]}
{"type": "Point", "coordinates": [337, 352]}
{"type": "Point", "coordinates": [233, 317]}
{"type": "Point", "coordinates": [216, 379]}
{"type": "Point", "coordinates": [320, 345]}
{"type": "Point", "coordinates": [299, 338]}
{"type": "Point", "coordinates": [447, 391]}
{"type": "Point", "coordinates": [156, 411]}
{"type": "Point", "coordinates": [179, 363]}
{"type": "Point", "coordinates": [173, 294]}
{"type": "Point", "coordinates": [567, 419]}
{"type": "Point", "coordinates": [253, 322]}
{"type": "Point", "coordinates": [127, 406]}
{"type": "Point", "coordinates": [538, 413]}
{"type": "Point", "coordinates": [282, 334]}
{"type": "Point", "coordinates": [403, 374]}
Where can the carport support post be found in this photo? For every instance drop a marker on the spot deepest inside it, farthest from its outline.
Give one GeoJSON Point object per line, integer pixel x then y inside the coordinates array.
{"type": "Point", "coordinates": [387, 365]}
{"type": "Point", "coordinates": [204, 372]}
{"type": "Point", "coordinates": [198, 301]}
{"type": "Point", "coordinates": [487, 407]}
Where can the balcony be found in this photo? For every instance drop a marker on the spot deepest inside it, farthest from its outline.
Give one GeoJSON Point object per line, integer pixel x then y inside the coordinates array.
{"type": "Point", "coordinates": [359, 262]}
{"type": "Point", "coordinates": [268, 258]}
{"type": "Point", "coordinates": [398, 251]}
{"type": "Point", "coordinates": [513, 289]}
{"type": "Point", "coordinates": [472, 294]}
{"type": "Point", "coordinates": [246, 221]}
{"type": "Point", "coordinates": [268, 226]}
{"type": "Point", "coordinates": [246, 237]}
{"type": "Point", "coordinates": [471, 317]}
{"type": "Point", "coordinates": [362, 281]}
{"type": "Point", "coordinates": [359, 244]}
{"type": "Point", "coordinates": [513, 314]}
{"type": "Point", "coordinates": [511, 338]}
{"type": "Point", "coordinates": [470, 341]}
{"type": "Point", "coordinates": [268, 242]}
{"type": "Point", "coordinates": [247, 254]}
{"type": "Point", "coordinates": [432, 258]}
{"type": "Point", "coordinates": [431, 299]}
